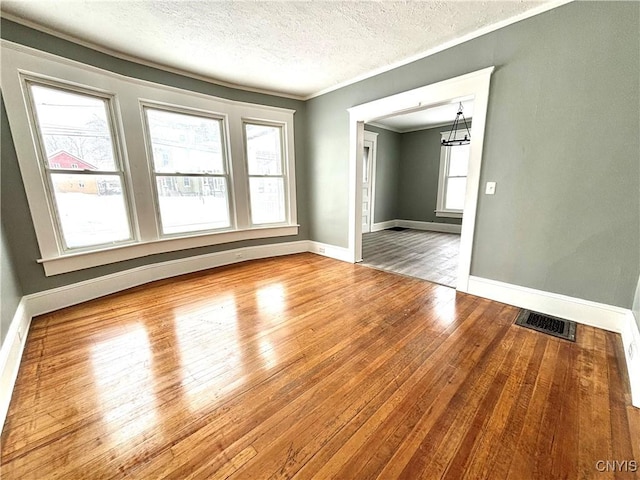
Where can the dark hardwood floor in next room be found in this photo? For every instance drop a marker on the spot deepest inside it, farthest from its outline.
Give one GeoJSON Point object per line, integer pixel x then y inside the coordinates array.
{"type": "Point", "coordinates": [431, 256]}
{"type": "Point", "coordinates": [306, 367]}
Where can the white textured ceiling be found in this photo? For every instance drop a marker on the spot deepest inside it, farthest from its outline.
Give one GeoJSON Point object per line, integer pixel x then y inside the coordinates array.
{"type": "Point", "coordinates": [294, 48]}
{"type": "Point", "coordinates": [428, 117]}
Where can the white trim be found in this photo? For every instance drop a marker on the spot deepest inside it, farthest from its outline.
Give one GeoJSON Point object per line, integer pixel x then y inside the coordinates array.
{"type": "Point", "coordinates": [448, 214]}
{"type": "Point", "coordinates": [79, 261]}
{"type": "Point", "coordinates": [430, 226]}
{"type": "Point", "coordinates": [411, 129]}
{"type": "Point", "coordinates": [371, 140]}
{"type": "Point", "coordinates": [595, 314]}
{"type": "Point", "coordinates": [11, 355]}
{"type": "Point", "coordinates": [145, 62]}
{"type": "Point", "coordinates": [417, 225]}
{"type": "Point", "coordinates": [376, 227]}
{"type": "Point", "coordinates": [331, 251]}
{"type": "Point", "coordinates": [631, 345]}
{"type": "Point", "coordinates": [20, 48]}
{"type": "Point", "coordinates": [384, 127]}
{"type": "Point", "coordinates": [450, 44]}
{"type": "Point", "coordinates": [57, 298]}
{"type": "Point", "coordinates": [475, 83]}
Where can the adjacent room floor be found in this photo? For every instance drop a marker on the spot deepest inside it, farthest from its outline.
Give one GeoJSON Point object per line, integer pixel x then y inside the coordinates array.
{"type": "Point", "coordinates": [306, 367]}
{"type": "Point", "coordinates": [431, 256]}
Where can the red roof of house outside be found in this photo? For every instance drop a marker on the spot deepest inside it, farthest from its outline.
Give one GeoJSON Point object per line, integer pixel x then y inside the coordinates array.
{"type": "Point", "coordinates": [64, 159]}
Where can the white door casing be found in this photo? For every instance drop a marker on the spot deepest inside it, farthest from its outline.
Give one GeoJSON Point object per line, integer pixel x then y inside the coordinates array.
{"type": "Point", "coordinates": [474, 84]}
{"type": "Point", "coordinates": [368, 179]}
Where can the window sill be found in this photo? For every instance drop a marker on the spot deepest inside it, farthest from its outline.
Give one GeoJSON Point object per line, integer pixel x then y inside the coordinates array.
{"type": "Point", "coordinates": [448, 214]}
{"type": "Point", "coordinates": [82, 260]}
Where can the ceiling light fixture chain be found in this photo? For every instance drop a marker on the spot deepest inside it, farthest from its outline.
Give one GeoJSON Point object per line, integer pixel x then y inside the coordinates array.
{"type": "Point", "coordinates": [452, 140]}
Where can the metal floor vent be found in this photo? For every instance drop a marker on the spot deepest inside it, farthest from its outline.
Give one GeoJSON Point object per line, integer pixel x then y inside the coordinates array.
{"type": "Point", "coordinates": [547, 324]}
{"type": "Point", "coordinates": [397, 229]}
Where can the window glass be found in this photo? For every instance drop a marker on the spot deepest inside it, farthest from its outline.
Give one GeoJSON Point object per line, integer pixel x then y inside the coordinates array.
{"type": "Point", "coordinates": [456, 187]}
{"type": "Point", "coordinates": [76, 134]}
{"type": "Point", "coordinates": [91, 209]}
{"type": "Point", "coordinates": [185, 143]}
{"type": "Point", "coordinates": [267, 200]}
{"type": "Point", "coordinates": [459, 161]}
{"type": "Point", "coordinates": [264, 149]}
{"type": "Point", "coordinates": [266, 178]}
{"type": "Point", "coordinates": [191, 204]}
{"type": "Point", "coordinates": [75, 129]}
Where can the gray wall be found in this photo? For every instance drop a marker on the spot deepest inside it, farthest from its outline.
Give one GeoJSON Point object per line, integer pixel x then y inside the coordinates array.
{"type": "Point", "coordinates": [20, 233]}
{"type": "Point", "coordinates": [561, 142]}
{"type": "Point", "coordinates": [387, 174]}
{"type": "Point", "coordinates": [10, 288]}
{"type": "Point", "coordinates": [420, 168]}
{"type": "Point", "coordinates": [636, 304]}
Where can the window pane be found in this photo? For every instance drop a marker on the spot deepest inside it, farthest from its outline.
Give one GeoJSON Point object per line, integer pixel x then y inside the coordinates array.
{"type": "Point", "coordinates": [264, 149]}
{"type": "Point", "coordinates": [459, 161]}
{"type": "Point", "coordinates": [75, 129]}
{"type": "Point", "coordinates": [192, 204]}
{"type": "Point", "coordinates": [91, 208]}
{"type": "Point", "coordinates": [267, 200]}
{"type": "Point", "coordinates": [455, 193]}
{"type": "Point", "coordinates": [185, 143]}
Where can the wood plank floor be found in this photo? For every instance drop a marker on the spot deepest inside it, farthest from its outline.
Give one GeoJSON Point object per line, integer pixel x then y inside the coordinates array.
{"type": "Point", "coordinates": [431, 256]}
{"type": "Point", "coordinates": [306, 367]}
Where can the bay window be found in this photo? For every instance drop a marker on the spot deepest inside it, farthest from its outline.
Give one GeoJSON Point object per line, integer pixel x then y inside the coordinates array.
{"type": "Point", "coordinates": [116, 168]}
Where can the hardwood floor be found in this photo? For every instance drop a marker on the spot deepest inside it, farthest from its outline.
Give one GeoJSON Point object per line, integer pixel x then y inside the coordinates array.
{"type": "Point", "coordinates": [431, 256]}
{"type": "Point", "coordinates": [306, 367]}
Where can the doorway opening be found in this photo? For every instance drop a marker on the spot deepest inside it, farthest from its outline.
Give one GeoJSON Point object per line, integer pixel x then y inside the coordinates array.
{"type": "Point", "coordinates": [421, 191]}
{"type": "Point", "coordinates": [473, 85]}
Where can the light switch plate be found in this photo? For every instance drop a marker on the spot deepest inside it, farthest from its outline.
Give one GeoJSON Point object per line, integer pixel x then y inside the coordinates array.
{"type": "Point", "coordinates": [490, 188]}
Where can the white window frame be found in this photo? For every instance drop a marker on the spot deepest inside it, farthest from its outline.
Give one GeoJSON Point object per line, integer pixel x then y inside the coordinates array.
{"type": "Point", "coordinates": [187, 176]}
{"type": "Point", "coordinates": [128, 94]}
{"type": "Point", "coordinates": [27, 80]}
{"type": "Point", "coordinates": [443, 175]}
{"type": "Point", "coordinates": [284, 167]}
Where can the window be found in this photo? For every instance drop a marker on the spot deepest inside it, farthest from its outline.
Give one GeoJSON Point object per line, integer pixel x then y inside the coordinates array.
{"type": "Point", "coordinates": [267, 180]}
{"type": "Point", "coordinates": [188, 151]}
{"type": "Point", "coordinates": [452, 181]}
{"type": "Point", "coordinates": [76, 128]}
{"type": "Point", "coordinates": [117, 168]}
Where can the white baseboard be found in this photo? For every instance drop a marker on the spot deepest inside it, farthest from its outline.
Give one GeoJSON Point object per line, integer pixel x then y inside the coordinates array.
{"type": "Point", "coordinates": [11, 354]}
{"type": "Point", "coordinates": [376, 227]}
{"type": "Point", "coordinates": [430, 226]}
{"type": "Point", "coordinates": [607, 317]}
{"type": "Point", "coordinates": [416, 225]}
{"type": "Point", "coordinates": [331, 251]}
{"type": "Point", "coordinates": [586, 312]}
{"type": "Point", "coordinates": [57, 298]}
{"type": "Point", "coordinates": [631, 344]}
